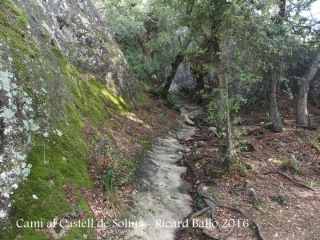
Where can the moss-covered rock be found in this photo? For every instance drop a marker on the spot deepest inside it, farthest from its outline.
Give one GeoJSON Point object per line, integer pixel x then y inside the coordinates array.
{"type": "Point", "coordinates": [59, 67]}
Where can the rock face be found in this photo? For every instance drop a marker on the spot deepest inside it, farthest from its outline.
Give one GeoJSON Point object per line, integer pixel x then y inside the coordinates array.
{"type": "Point", "coordinates": [59, 65]}
{"type": "Point", "coordinates": [183, 78]}
{"type": "Point", "coordinates": [76, 28]}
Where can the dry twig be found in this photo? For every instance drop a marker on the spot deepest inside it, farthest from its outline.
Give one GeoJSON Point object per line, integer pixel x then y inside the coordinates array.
{"type": "Point", "coordinates": [212, 205]}
{"type": "Point", "coordinates": [260, 235]}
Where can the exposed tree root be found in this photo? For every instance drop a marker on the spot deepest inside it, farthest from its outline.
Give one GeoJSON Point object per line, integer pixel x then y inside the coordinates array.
{"type": "Point", "coordinates": [232, 208]}
{"type": "Point", "coordinates": [259, 232]}
{"type": "Point", "coordinates": [212, 206]}
{"type": "Point", "coordinates": [228, 233]}
{"type": "Point", "coordinates": [259, 175]}
{"type": "Point", "coordinates": [301, 184]}
{"type": "Point", "coordinates": [200, 192]}
{"type": "Point", "coordinates": [316, 169]}
{"type": "Point", "coordinates": [200, 212]}
{"type": "Point", "coordinates": [213, 213]}
{"type": "Point", "coordinates": [296, 182]}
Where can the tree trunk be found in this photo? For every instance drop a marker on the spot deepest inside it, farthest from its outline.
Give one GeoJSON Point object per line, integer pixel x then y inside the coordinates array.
{"type": "Point", "coordinates": [198, 78]}
{"type": "Point", "coordinates": [142, 46]}
{"type": "Point", "coordinates": [225, 148]}
{"type": "Point", "coordinates": [273, 105]}
{"type": "Point", "coordinates": [221, 62]}
{"type": "Point", "coordinates": [282, 12]}
{"type": "Point", "coordinates": [302, 110]}
{"type": "Point", "coordinates": [169, 79]}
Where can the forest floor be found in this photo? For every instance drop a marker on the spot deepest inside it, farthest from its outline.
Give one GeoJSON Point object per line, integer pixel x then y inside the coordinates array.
{"type": "Point", "coordinates": [129, 136]}
{"type": "Point", "coordinates": [258, 185]}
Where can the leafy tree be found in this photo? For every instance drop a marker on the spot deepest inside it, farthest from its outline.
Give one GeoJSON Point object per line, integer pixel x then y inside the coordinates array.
{"type": "Point", "coordinates": [150, 38]}
{"type": "Point", "coordinates": [245, 46]}
{"type": "Point", "coordinates": [209, 24]}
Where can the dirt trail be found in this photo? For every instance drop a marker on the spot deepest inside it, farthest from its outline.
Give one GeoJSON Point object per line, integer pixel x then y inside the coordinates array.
{"type": "Point", "coordinates": [162, 199]}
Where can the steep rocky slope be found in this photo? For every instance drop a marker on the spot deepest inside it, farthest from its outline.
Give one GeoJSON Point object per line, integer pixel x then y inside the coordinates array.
{"type": "Point", "coordinates": [59, 69]}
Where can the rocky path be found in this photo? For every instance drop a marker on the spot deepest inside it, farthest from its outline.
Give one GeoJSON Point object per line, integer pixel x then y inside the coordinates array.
{"type": "Point", "coordinates": [162, 199]}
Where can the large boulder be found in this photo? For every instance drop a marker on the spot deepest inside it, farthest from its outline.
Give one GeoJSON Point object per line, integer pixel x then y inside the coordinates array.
{"type": "Point", "coordinates": [76, 28]}
{"type": "Point", "coordinates": [183, 78]}
{"type": "Point", "coordinates": [59, 66]}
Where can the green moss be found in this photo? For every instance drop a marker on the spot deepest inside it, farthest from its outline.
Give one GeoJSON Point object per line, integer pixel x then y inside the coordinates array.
{"type": "Point", "coordinates": [141, 99]}
{"type": "Point", "coordinates": [92, 97]}
{"type": "Point", "coordinates": [57, 161]}
{"type": "Point", "coordinates": [14, 31]}
{"type": "Point", "coordinates": [14, 9]}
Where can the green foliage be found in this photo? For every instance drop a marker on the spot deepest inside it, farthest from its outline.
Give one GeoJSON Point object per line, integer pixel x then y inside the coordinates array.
{"type": "Point", "coordinates": [125, 17]}
{"type": "Point", "coordinates": [153, 32]}
{"type": "Point", "coordinates": [200, 203]}
{"type": "Point", "coordinates": [174, 98]}
{"type": "Point", "coordinates": [140, 67]}
{"type": "Point", "coordinates": [145, 30]}
{"type": "Point", "coordinates": [257, 203]}
{"type": "Point", "coordinates": [212, 109]}
{"type": "Point", "coordinates": [237, 120]}
{"type": "Point", "coordinates": [290, 165]}
{"type": "Point", "coordinates": [313, 183]}
{"type": "Point", "coordinates": [120, 171]}
{"type": "Point", "coordinates": [279, 199]}
{"type": "Point", "coordinates": [244, 169]}
{"type": "Point", "coordinates": [233, 106]}
{"type": "Point", "coordinates": [315, 142]}
{"type": "Point", "coordinates": [201, 94]}
{"type": "Point", "coordinates": [242, 146]}
{"type": "Point", "coordinates": [286, 89]}
{"type": "Point", "coordinates": [108, 180]}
